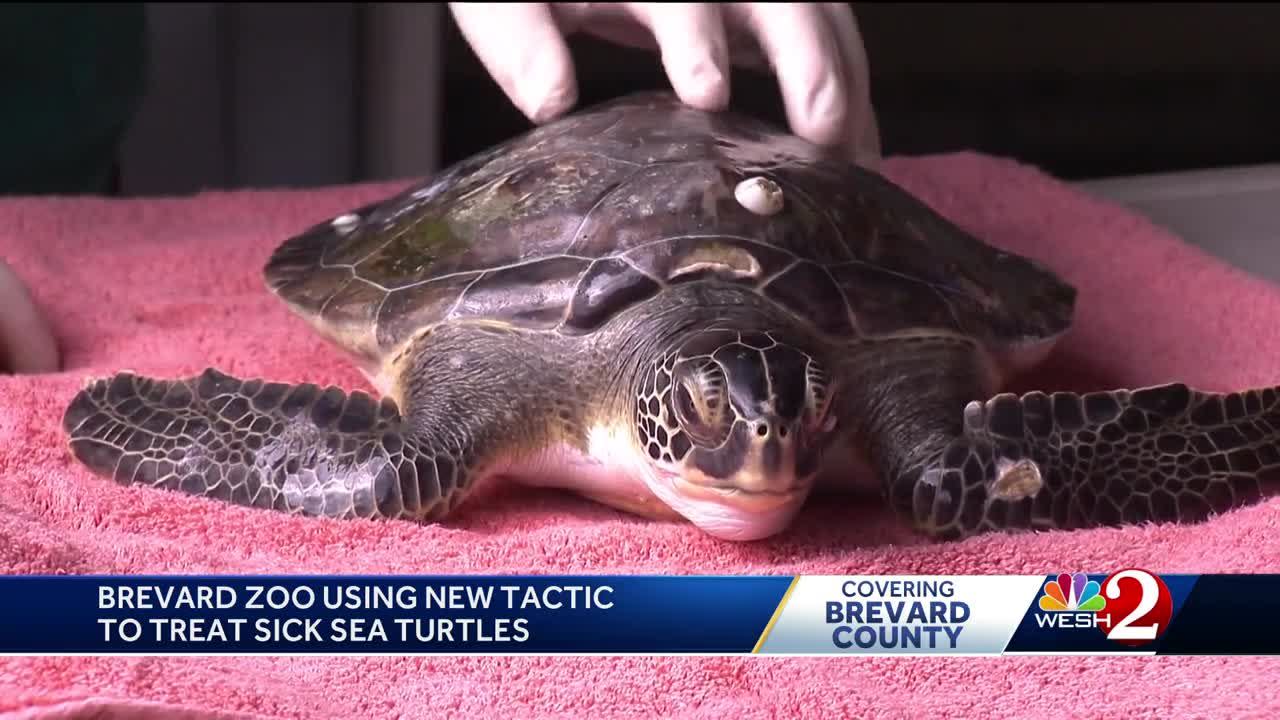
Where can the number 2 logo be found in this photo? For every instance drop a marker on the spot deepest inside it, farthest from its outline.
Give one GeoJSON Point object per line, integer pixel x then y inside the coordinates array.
{"type": "Point", "coordinates": [1139, 607]}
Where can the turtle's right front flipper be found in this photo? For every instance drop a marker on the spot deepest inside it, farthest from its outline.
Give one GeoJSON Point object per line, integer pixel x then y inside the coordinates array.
{"type": "Point", "coordinates": [294, 448]}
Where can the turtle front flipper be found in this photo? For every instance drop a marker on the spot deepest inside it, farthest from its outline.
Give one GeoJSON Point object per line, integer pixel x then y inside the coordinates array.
{"type": "Point", "coordinates": [1160, 454]}
{"type": "Point", "coordinates": [958, 465]}
{"type": "Point", "coordinates": [470, 399]}
{"type": "Point", "coordinates": [294, 448]}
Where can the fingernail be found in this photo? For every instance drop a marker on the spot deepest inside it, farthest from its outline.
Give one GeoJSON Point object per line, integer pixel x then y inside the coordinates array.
{"type": "Point", "coordinates": [706, 85]}
{"type": "Point", "coordinates": [552, 105]}
{"type": "Point", "coordinates": [548, 93]}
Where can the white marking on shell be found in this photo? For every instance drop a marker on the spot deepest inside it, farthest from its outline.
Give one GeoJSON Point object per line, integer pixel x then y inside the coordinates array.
{"type": "Point", "coordinates": [345, 223]}
{"type": "Point", "coordinates": [760, 195]}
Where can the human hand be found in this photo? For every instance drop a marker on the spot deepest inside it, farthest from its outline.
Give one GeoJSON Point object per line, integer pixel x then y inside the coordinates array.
{"type": "Point", "coordinates": [814, 49]}
{"type": "Point", "coordinates": [26, 342]}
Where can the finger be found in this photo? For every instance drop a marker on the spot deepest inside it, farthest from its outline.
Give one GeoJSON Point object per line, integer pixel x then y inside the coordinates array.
{"type": "Point", "coordinates": [522, 49]}
{"type": "Point", "coordinates": [864, 131]}
{"type": "Point", "coordinates": [800, 47]}
{"type": "Point", "coordinates": [27, 344]}
{"type": "Point", "coordinates": [691, 39]}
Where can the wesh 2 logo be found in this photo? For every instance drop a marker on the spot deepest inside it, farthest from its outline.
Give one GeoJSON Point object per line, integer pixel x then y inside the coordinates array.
{"type": "Point", "coordinates": [1132, 607]}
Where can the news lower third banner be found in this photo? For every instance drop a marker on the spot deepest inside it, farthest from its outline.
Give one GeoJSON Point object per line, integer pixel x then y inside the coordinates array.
{"type": "Point", "coordinates": [1127, 611]}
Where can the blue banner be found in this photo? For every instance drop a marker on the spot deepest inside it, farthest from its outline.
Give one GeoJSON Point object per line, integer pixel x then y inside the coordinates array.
{"type": "Point", "coordinates": [395, 614]}
{"type": "Point", "coordinates": [1126, 611]}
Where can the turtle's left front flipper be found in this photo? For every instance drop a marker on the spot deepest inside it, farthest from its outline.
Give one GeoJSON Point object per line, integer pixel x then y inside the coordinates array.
{"type": "Point", "coordinates": [1160, 454]}
{"type": "Point", "coordinates": [958, 459]}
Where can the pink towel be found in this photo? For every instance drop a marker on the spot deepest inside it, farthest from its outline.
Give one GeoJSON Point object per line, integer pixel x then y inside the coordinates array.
{"type": "Point", "coordinates": [168, 286]}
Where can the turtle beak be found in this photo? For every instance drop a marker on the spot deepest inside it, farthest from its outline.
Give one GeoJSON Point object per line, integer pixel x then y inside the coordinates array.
{"type": "Point", "coordinates": [754, 471]}
{"type": "Point", "coordinates": [746, 489]}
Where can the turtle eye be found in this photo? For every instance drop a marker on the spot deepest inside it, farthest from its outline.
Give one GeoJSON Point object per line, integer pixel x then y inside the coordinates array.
{"type": "Point", "coordinates": [700, 404]}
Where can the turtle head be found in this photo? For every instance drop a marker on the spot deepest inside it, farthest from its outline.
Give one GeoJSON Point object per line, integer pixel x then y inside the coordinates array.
{"type": "Point", "coordinates": [735, 426]}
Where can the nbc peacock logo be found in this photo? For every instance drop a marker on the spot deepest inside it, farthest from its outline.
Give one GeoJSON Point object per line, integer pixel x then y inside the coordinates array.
{"type": "Point", "coordinates": [1072, 601]}
{"type": "Point", "coordinates": [1072, 593]}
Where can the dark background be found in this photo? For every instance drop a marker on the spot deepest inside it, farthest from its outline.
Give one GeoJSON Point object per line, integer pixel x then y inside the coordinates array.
{"type": "Point", "coordinates": [1083, 90]}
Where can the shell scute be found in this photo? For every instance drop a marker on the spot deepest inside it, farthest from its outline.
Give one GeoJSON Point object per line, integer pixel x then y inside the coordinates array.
{"type": "Point", "coordinates": [878, 299]}
{"type": "Point", "coordinates": [406, 257]}
{"type": "Point", "coordinates": [811, 290]}
{"type": "Point", "coordinates": [534, 294]}
{"type": "Point", "coordinates": [352, 319]}
{"type": "Point", "coordinates": [408, 309]}
{"type": "Point", "coordinates": [606, 285]}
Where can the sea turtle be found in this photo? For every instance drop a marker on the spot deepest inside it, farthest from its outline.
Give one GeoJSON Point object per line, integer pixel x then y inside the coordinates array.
{"type": "Point", "coordinates": [681, 314]}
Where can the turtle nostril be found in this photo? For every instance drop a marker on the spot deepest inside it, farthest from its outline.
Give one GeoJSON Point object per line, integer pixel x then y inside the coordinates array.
{"type": "Point", "coordinates": [762, 429]}
{"type": "Point", "coordinates": [782, 431]}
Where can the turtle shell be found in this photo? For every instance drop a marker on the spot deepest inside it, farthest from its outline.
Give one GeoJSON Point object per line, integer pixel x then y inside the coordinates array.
{"type": "Point", "coordinates": [565, 226]}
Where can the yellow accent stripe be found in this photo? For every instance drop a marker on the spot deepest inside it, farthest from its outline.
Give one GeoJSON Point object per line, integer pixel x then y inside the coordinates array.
{"type": "Point", "coordinates": [777, 613]}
